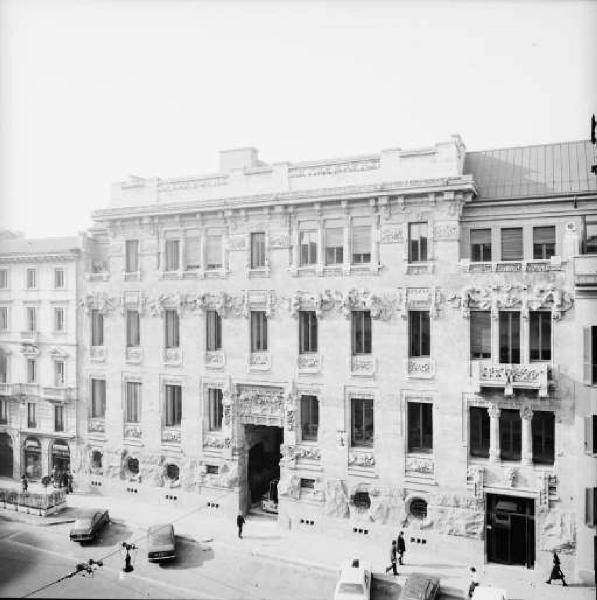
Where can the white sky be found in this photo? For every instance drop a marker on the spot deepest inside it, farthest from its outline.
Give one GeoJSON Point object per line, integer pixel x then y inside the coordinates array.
{"type": "Point", "coordinates": [92, 90]}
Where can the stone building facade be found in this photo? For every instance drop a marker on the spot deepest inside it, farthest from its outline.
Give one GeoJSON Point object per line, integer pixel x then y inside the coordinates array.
{"type": "Point", "coordinates": [39, 279]}
{"type": "Point", "coordinates": [396, 339]}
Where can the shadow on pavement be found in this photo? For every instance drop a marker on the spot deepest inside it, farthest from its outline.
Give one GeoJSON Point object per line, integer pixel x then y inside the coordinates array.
{"type": "Point", "coordinates": [114, 533]}
{"type": "Point", "coordinates": [189, 554]}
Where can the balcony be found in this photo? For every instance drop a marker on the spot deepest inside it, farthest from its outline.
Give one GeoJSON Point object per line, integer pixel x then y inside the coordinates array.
{"type": "Point", "coordinates": [60, 394]}
{"type": "Point", "coordinates": [26, 389]}
{"type": "Point", "coordinates": [512, 266]}
{"type": "Point", "coordinates": [309, 363]}
{"type": "Point", "coordinates": [529, 376]}
{"type": "Point", "coordinates": [421, 367]}
{"type": "Point", "coordinates": [6, 389]}
{"type": "Point", "coordinates": [585, 272]}
{"type": "Point", "coordinates": [31, 337]}
{"type": "Point", "coordinates": [96, 425]}
{"type": "Point", "coordinates": [171, 434]}
{"type": "Point", "coordinates": [132, 431]}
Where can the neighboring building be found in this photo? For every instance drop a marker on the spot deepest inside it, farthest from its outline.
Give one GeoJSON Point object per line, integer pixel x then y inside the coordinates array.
{"type": "Point", "coordinates": [398, 338]}
{"type": "Point", "coordinates": [38, 353]}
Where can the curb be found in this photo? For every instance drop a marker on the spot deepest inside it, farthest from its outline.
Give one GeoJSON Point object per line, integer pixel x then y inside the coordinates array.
{"type": "Point", "coordinates": [294, 561]}
{"type": "Point", "coordinates": [9, 516]}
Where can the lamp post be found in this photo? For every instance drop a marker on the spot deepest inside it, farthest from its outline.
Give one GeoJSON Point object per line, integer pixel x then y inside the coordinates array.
{"type": "Point", "coordinates": [128, 558]}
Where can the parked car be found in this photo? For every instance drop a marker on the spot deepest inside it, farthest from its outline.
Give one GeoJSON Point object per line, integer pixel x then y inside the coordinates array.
{"type": "Point", "coordinates": [161, 545]}
{"type": "Point", "coordinates": [487, 592]}
{"type": "Point", "coordinates": [420, 586]}
{"type": "Point", "coordinates": [88, 526]}
{"type": "Point", "coordinates": [355, 581]}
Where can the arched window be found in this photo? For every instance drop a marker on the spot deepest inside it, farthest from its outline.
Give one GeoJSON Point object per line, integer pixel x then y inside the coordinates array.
{"type": "Point", "coordinates": [132, 465]}
{"type": "Point", "coordinates": [172, 472]}
{"type": "Point", "coordinates": [418, 508]}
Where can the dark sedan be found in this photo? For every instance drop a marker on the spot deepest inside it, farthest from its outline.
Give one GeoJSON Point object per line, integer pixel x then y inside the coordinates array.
{"type": "Point", "coordinates": [88, 526]}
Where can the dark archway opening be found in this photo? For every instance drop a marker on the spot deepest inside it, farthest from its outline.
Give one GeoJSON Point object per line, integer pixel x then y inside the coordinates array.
{"type": "Point", "coordinates": [60, 456]}
{"type": "Point", "coordinates": [263, 472]}
{"type": "Point", "coordinates": [6, 456]}
{"type": "Point", "coordinates": [32, 458]}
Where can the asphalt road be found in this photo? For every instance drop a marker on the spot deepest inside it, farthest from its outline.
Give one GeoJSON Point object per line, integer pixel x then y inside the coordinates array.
{"type": "Point", "coordinates": [33, 556]}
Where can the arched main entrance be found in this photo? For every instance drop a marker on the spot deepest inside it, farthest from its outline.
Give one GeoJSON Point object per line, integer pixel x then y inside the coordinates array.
{"type": "Point", "coordinates": [6, 456]}
{"type": "Point", "coordinates": [60, 455]}
{"type": "Point", "coordinates": [32, 458]}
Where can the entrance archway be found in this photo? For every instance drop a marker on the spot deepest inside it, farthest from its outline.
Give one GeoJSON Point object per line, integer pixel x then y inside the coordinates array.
{"type": "Point", "coordinates": [6, 455]}
{"type": "Point", "coordinates": [32, 458]}
{"type": "Point", "coordinates": [263, 469]}
{"type": "Point", "coordinates": [60, 456]}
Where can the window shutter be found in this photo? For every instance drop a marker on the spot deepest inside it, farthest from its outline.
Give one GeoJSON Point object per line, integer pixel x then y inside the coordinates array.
{"type": "Point", "coordinates": [192, 250]}
{"type": "Point", "coordinates": [480, 236]}
{"type": "Point", "coordinates": [587, 356]}
{"type": "Point", "coordinates": [361, 240]}
{"type": "Point", "coordinates": [589, 442]}
{"type": "Point", "coordinates": [544, 235]}
{"type": "Point", "coordinates": [334, 237]}
{"type": "Point", "coordinates": [512, 244]}
{"type": "Point", "coordinates": [214, 250]}
{"type": "Point", "coordinates": [590, 507]}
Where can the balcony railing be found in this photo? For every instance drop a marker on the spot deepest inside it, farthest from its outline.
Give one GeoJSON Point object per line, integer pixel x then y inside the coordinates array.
{"type": "Point", "coordinates": [58, 393]}
{"type": "Point", "coordinates": [309, 362]}
{"type": "Point", "coordinates": [512, 266]}
{"type": "Point", "coordinates": [96, 425]}
{"type": "Point", "coordinates": [171, 434]}
{"type": "Point", "coordinates": [585, 271]}
{"type": "Point", "coordinates": [529, 376]}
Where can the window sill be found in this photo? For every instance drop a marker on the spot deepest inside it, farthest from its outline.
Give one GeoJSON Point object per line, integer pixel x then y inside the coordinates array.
{"type": "Point", "coordinates": [419, 466]}
{"type": "Point", "coordinates": [257, 272]}
{"type": "Point", "coordinates": [363, 365]}
{"type": "Point", "coordinates": [103, 276]}
{"type": "Point", "coordinates": [422, 367]}
{"type": "Point", "coordinates": [309, 362]}
{"type": "Point", "coordinates": [259, 361]}
{"type": "Point", "coordinates": [131, 276]}
{"type": "Point", "coordinates": [134, 355]}
{"type": "Point", "coordinates": [419, 268]}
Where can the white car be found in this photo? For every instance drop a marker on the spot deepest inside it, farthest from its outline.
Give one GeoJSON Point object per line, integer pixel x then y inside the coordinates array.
{"type": "Point", "coordinates": [355, 580]}
{"type": "Point", "coordinates": [486, 592]}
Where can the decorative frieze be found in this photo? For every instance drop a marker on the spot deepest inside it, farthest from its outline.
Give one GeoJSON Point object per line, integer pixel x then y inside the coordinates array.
{"type": "Point", "coordinates": [361, 459]}
{"type": "Point", "coordinates": [97, 353]}
{"type": "Point", "coordinates": [392, 234]}
{"type": "Point", "coordinates": [362, 365]}
{"type": "Point", "coordinates": [259, 361]}
{"type": "Point", "coordinates": [172, 356]}
{"type": "Point", "coordinates": [309, 363]}
{"type": "Point", "coordinates": [294, 453]}
{"type": "Point", "coordinates": [510, 376]}
{"type": "Point", "coordinates": [214, 359]}
{"type": "Point", "coordinates": [334, 168]}
{"type": "Point", "coordinates": [420, 367]}
{"type": "Point", "coordinates": [157, 306]}
{"type": "Point", "coordinates": [134, 354]}
{"type": "Point", "coordinates": [419, 298]}
{"type": "Point", "coordinates": [419, 466]}
{"type": "Point", "coordinates": [171, 435]}
{"type": "Point", "coordinates": [96, 425]}
{"type": "Point", "coordinates": [132, 431]}
{"type": "Point", "coordinates": [98, 301]}
{"type": "Point", "coordinates": [446, 230]}
{"type": "Point", "coordinates": [213, 442]}
{"type": "Point", "coordinates": [475, 480]}
{"type": "Point", "coordinates": [261, 405]}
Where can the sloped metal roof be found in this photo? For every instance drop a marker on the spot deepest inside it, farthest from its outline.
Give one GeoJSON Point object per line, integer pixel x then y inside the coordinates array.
{"type": "Point", "coordinates": [547, 169]}
{"type": "Point", "coordinates": [39, 245]}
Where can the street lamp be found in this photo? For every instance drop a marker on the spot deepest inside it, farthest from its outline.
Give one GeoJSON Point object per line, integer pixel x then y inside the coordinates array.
{"type": "Point", "coordinates": [128, 558]}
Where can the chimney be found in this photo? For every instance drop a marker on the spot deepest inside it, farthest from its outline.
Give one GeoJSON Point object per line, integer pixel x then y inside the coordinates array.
{"type": "Point", "coordinates": [239, 158]}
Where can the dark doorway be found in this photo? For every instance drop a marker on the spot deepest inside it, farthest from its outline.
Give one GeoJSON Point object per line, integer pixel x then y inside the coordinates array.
{"type": "Point", "coordinates": [510, 527]}
{"type": "Point", "coordinates": [32, 458]}
{"type": "Point", "coordinates": [263, 470]}
{"type": "Point", "coordinates": [6, 456]}
{"type": "Point", "coordinates": [60, 456]}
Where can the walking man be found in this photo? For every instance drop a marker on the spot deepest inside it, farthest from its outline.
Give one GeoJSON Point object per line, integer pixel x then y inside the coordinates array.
{"type": "Point", "coordinates": [556, 571]}
{"type": "Point", "coordinates": [24, 483]}
{"type": "Point", "coordinates": [240, 521]}
{"type": "Point", "coordinates": [393, 555]}
{"type": "Point", "coordinates": [401, 547]}
{"type": "Point", "coordinates": [473, 582]}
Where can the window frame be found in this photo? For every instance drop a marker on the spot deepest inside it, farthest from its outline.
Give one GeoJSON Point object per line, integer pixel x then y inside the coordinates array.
{"type": "Point", "coordinates": [363, 440]}
{"type": "Point", "coordinates": [97, 402]}
{"type": "Point", "coordinates": [132, 329]}
{"type": "Point", "coordinates": [59, 417]}
{"type": "Point", "coordinates": [308, 251]}
{"type": "Point", "coordinates": [308, 332]}
{"type": "Point", "coordinates": [484, 248]}
{"type": "Point", "coordinates": [419, 337]}
{"type": "Point", "coordinates": [31, 318]}
{"type": "Point", "coordinates": [479, 443]}
{"type": "Point", "coordinates": [361, 333]}
{"type": "Point", "coordinates": [215, 409]}
{"type": "Point", "coordinates": [4, 324]}
{"type": "Point", "coordinates": [31, 370]}
{"type": "Point", "coordinates": [132, 401]}
{"type": "Point", "coordinates": [31, 278]}
{"type": "Point", "coordinates": [172, 258]}
{"type": "Point", "coordinates": [131, 258]}
{"type": "Point", "coordinates": [214, 266]}
{"type": "Point", "coordinates": [59, 281]}
{"type": "Point", "coordinates": [257, 248]}
{"type": "Point", "coordinates": [258, 331]}
{"type": "Point", "coordinates": [419, 434]}
{"type": "Point", "coordinates": [309, 405]}
{"type": "Point", "coordinates": [360, 258]}
{"type": "Point", "coordinates": [97, 328]}
{"type": "Point", "coordinates": [474, 317]}
{"type": "Point", "coordinates": [503, 245]}
{"type": "Point", "coordinates": [213, 331]}
{"type": "Point", "coordinates": [511, 428]}
{"type": "Point", "coordinates": [509, 333]}
{"type": "Point", "coordinates": [59, 310]}
{"type": "Point", "coordinates": [172, 406]}
{"type": "Point", "coordinates": [4, 279]}
{"type": "Point", "coordinates": [589, 222]}
{"type": "Point", "coordinates": [543, 353]}
{"type": "Point", "coordinates": [543, 442]}
{"type": "Point", "coordinates": [31, 415]}
{"type": "Point", "coordinates": [418, 247]}
{"type": "Point", "coordinates": [171, 328]}
{"type": "Point", "coordinates": [544, 250]}
{"type": "Point", "coordinates": [4, 412]}
{"type": "Point", "coordinates": [335, 252]}
{"type": "Point", "coordinates": [59, 372]}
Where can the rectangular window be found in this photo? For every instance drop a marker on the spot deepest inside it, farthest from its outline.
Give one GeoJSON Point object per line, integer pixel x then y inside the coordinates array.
{"type": "Point", "coordinates": [307, 484]}
{"type": "Point", "coordinates": [540, 334]}
{"type": "Point", "coordinates": [512, 243]}
{"type": "Point", "coordinates": [192, 253]}
{"type": "Point", "coordinates": [307, 331]}
{"type": "Point", "coordinates": [31, 318]}
{"type": "Point", "coordinates": [58, 417]}
{"type": "Point", "coordinates": [213, 324]}
{"type": "Point", "coordinates": [4, 412]}
{"type": "Point", "coordinates": [480, 334]}
{"type": "Point", "coordinates": [481, 245]}
{"type": "Point", "coordinates": [590, 355]}
{"type": "Point", "coordinates": [420, 427]}
{"type": "Point", "coordinates": [3, 279]}
{"type": "Point", "coordinates": [133, 331]}
{"type": "Point", "coordinates": [543, 428]}
{"type": "Point", "coordinates": [31, 370]}
{"type": "Point", "coordinates": [479, 432]}
{"type": "Point", "coordinates": [172, 255]}
{"type": "Point", "coordinates": [509, 334]}
{"type": "Point", "coordinates": [216, 409]}
{"type": "Point", "coordinates": [418, 333]}
{"type": "Point", "coordinates": [590, 237]}
{"type": "Point", "coordinates": [59, 378]}
{"type": "Point", "coordinates": [3, 318]}
{"type": "Point", "coordinates": [59, 279]}
{"type": "Point", "coordinates": [131, 256]}
{"type": "Point", "coordinates": [544, 242]}
{"type": "Point", "coordinates": [334, 246]}
{"type": "Point", "coordinates": [361, 421]}
{"type": "Point", "coordinates": [31, 279]}
{"type": "Point", "coordinates": [309, 418]}
{"type": "Point", "coordinates": [214, 251]}
{"type": "Point", "coordinates": [171, 329]}
{"type": "Point", "coordinates": [257, 250]}
{"type": "Point", "coordinates": [132, 413]}
{"type": "Point", "coordinates": [3, 367]}
{"type": "Point", "coordinates": [173, 412]}
{"type": "Point", "coordinates": [361, 245]}
{"type": "Point", "coordinates": [59, 319]}
{"type": "Point", "coordinates": [98, 398]}
{"type": "Point", "coordinates": [308, 247]}
{"type": "Point", "coordinates": [31, 421]}
{"type": "Point", "coordinates": [258, 331]}
{"type": "Point", "coordinates": [361, 332]}
{"type": "Point", "coordinates": [97, 328]}
{"type": "Point", "coordinates": [591, 507]}
{"type": "Point", "coordinates": [591, 434]}
{"type": "Point", "coordinates": [417, 242]}
{"type": "Point", "coordinates": [510, 434]}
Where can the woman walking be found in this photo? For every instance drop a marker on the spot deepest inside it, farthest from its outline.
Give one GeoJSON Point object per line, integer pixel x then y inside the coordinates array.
{"type": "Point", "coordinates": [556, 571]}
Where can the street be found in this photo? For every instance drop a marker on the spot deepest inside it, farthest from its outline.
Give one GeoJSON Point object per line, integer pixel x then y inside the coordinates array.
{"type": "Point", "coordinates": [31, 557]}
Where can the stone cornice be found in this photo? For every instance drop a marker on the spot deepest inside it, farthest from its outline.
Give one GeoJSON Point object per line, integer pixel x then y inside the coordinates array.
{"type": "Point", "coordinates": [32, 258]}
{"type": "Point", "coordinates": [411, 187]}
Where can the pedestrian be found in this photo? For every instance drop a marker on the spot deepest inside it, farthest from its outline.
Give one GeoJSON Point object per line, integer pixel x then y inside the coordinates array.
{"type": "Point", "coordinates": [474, 581]}
{"type": "Point", "coordinates": [401, 547]}
{"type": "Point", "coordinates": [53, 475]}
{"type": "Point", "coordinates": [64, 480]}
{"type": "Point", "coordinates": [240, 521]}
{"type": "Point", "coordinates": [393, 558]}
{"type": "Point", "coordinates": [24, 483]}
{"type": "Point", "coordinates": [69, 478]}
{"type": "Point", "coordinates": [556, 571]}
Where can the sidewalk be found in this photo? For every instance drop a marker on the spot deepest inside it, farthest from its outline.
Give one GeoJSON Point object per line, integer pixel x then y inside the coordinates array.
{"type": "Point", "coordinates": [265, 538]}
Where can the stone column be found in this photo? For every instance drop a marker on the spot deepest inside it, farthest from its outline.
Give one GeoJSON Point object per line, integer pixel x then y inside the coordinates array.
{"type": "Point", "coordinates": [346, 253]}
{"type": "Point", "coordinates": [494, 433]}
{"type": "Point", "coordinates": [46, 455]}
{"type": "Point", "coordinates": [526, 414]}
{"type": "Point", "coordinates": [320, 249]}
{"type": "Point", "coordinates": [375, 228]}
